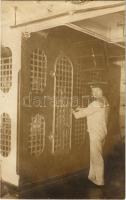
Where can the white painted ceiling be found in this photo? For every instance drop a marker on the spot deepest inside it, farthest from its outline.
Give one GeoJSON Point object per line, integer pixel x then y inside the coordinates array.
{"type": "Point", "coordinates": [27, 11]}
{"type": "Point", "coordinates": [31, 10]}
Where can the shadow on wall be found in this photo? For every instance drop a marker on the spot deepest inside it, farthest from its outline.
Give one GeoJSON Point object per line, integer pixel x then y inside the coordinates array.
{"type": "Point", "coordinates": [114, 135]}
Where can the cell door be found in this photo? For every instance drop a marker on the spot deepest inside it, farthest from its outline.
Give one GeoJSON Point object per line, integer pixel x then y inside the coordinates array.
{"type": "Point", "coordinates": [33, 139]}
{"type": "Point", "coordinates": [63, 92]}
{"type": "Point", "coordinates": [38, 65]}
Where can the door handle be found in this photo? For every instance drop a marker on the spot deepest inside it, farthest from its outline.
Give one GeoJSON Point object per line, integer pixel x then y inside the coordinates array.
{"type": "Point", "coordinates": [52, 74]}
{"type": "Point", "coordinates": [51, 137]}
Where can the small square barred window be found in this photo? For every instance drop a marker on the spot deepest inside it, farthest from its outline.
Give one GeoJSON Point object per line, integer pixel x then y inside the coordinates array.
{"type": "Point", "coordinates": [5, 74]}
{"type": "Point", "coordinates": [36, 139]}
{"type": "Point", "coordinates": [38, 68]}
{"type": "Point", "coordinates": [5, 134]}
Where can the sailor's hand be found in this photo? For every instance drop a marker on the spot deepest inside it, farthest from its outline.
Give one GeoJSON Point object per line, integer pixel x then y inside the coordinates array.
{"type": "Point", "coordinates": [77, 109]}
{"type": "Point", "coordinates": [73, 111]}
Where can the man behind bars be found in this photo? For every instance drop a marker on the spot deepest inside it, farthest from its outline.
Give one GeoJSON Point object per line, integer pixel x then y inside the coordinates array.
{"type": "Point", "coordinates": [97, 115]}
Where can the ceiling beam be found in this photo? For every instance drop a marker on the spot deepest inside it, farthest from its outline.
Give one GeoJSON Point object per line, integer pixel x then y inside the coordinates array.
{"type": "Point", "coordinates": [94, 34]}
{"type": "Point", "coordinates": [68, 17]}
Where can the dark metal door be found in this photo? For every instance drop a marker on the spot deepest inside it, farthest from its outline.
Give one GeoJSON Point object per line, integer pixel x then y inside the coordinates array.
{"type": "Point", "coordinates": [35, 127]}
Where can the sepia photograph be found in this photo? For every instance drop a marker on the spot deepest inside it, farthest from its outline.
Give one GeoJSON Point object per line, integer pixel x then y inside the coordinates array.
{"type": "Point", "coordinates": [62, 99]}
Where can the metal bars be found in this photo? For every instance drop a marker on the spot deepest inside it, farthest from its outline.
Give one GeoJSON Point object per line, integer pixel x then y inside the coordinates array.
{"type": "Point", "coordinates": [5, 134]}
{"type": "Point", "coordinates": [82, 93]}
{"type": "Point", "coordinates": [63, 95]}
{"type": "Point", "coordinates": [36, 139]}
{"type": "Point", "coordinates": [5, 74]}
{"type": "Point", "coordinates": [38, 71]}
{"type": "Point", "coordinates": [86, 75]}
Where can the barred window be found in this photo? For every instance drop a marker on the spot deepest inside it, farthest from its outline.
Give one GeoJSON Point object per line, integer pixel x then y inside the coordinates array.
{"type": "Point", "coordinates": [86, 75]}
{"type": "Point", "coordinates": [5, 134]}
{"type": "Point", "coordinates": [6, 73]}
{"type": "Point", "coordinates": [38, 68]}
{"type": "Point", "coordinates": [63, 118]}
{"type": "Point", "coordinates": [36, 139]}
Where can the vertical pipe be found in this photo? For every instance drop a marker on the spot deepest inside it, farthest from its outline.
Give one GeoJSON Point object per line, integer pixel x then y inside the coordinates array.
{"type": "Point", "coordinates": [15, 15]}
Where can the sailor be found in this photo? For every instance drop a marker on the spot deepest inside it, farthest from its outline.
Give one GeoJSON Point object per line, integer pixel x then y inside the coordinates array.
{"type": "Point", "coordinates": [97, 117]}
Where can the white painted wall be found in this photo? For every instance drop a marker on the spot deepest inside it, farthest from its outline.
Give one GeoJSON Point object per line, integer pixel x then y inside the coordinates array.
{"type": "Point", "coordinates": [8, 104]}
